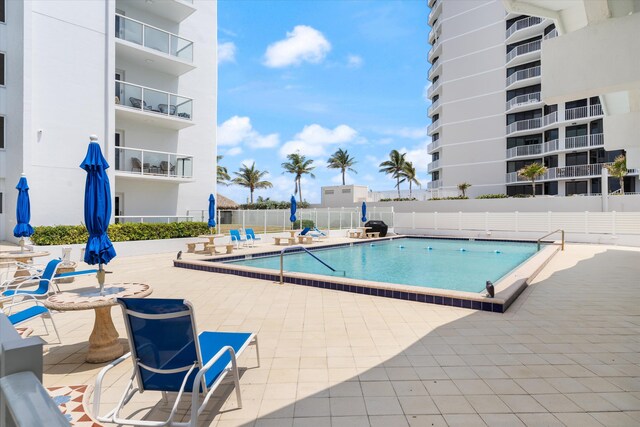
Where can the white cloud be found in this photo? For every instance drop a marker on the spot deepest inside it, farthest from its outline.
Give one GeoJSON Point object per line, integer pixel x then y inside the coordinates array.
{"type": "Point", "coordinates": [248, 162]}
{"type": "Point", "coordinates": [425, 92]}
{"type": "Point", "coordinates": [303, 44]}
{"type": "Point", "coordinates": [226, 52]}
{"type": "Point", "coordinates": [406, 132]}
{"type": "Point", "coordinates": [314, 140]}
{"type": "Point", "coordinates": [348, 179]}
{"type": "Point", "coordinates": [233, 151]}
{"type": "Point", "coordinates": [418, 156]}
{"type": "Point", "coordinates": [354, 61]}
{"type": "Point", "coordinates": [238, 130]}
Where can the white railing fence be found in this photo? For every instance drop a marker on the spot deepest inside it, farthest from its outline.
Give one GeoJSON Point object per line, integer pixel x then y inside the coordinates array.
{"type": "Point", "coordinates": [523, 74]}
{"type": "Point", "coordinates": [523, 23]}
{"type": "Point", "coordinates": [523, 49]}
{"type": "Point", "coordinates": [120, 219]}
{"type": "Point", "coordinates": [612, 223]}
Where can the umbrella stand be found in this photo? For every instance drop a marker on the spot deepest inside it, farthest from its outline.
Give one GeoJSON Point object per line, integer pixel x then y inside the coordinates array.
{"type": "Point", "coordinates": [22, 245]}
{"type": "Point", "coordinates": [101, 277]}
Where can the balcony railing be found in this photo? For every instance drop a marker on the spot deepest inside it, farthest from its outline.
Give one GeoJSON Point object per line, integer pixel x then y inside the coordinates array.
{"type": "Point", "coordinates": [435, 10]}
{"type": "Point", "coordinates": [523, 23]}
{"type": "Point", "coordinates": [434, 184]}
{"type": "Point", "coordinates": [433, 126]}
{"type": "Point", "coordinates": [523, 75]}
{"type": "Point", "coordinates": [434, 86]}
{"type": "Point", "coordinates": [151, 163]}
{"type": "Point", "coordinates": [153, 38]}
{"type": "Point", "coordinates": [582, 112]}
{"type": "Point", "coordinates": [524, 125]}
{"type": "Point", "coordinates": [551, 34]}
{"type": "Point", "coordinates": [529, 98]}
{"type": "Point", "coordinates": [566, 172]}
{"type": "Point", "coordinates": [550, 119]}
{"type": "Point", "coordinates": [433, 146]}
{"type": "Point", "coordinates": [434, 68]}
{"type": "Point", "coordinates": [435, 104]}
{"type": "Point", "coordinates": [584, 141]}
{"type": "Point", "coordinates": [533, 150]}
{"type": "Point", "coordinates": [435, 164]}
{"type": "Point", "coordinates": [153, 101]}
{"type": "Point", "coordinates": [523, 49]}
{"type": "Point", "coordinates": [570, 143]}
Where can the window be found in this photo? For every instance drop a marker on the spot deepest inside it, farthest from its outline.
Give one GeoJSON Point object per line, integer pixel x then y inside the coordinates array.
{"type": "Point", "coordinates": [2, 67]}
{"type": "Point", "coordinates": [2, 132]}
{"type": "Point", "coordinates": [2, 12]}
{"type": "Point", "coordinates": [346, 190]}
{"type": "Point", "coordinates": [328, 191]}
{"type": "Point", "coordinates": [576, 159]}
{"type": "Point", "coordinates": [577, 187]}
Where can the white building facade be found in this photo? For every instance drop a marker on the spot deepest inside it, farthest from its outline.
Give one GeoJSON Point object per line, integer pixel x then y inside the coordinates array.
{"type": "Point", "coordinates": [141, 75]}
{"type": "Point", "coordinates": [488, 116]}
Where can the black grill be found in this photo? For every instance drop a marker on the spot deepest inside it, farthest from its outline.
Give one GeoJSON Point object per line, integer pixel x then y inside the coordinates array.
{"type": "Point", "coordinates": [377, 227]}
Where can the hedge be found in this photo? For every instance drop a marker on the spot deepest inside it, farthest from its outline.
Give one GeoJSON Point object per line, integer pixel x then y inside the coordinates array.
{"type": "Point", "coordinates": [492, 196]}
{"type": "Point", "coordinates": [401, 199]}
{"type": "Point", "coordinates": [272, 204]}
{"type": "Point", "coordinates": [126, 232]}
{"type": "Point", "coordinates": [305, 223]}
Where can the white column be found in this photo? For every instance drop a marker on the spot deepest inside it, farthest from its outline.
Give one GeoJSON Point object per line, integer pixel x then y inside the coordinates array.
{"type": "Point", "coordinates": [604, 188]}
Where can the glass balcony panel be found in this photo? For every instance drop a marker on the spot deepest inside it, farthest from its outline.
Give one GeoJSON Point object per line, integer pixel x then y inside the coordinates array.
{"type": "Point", "coordinates": [182, 48]}
{"type": "Point", "coordinates": [129, 30]}
{"type": "Point", "coordinates": [156, 101]}
{"type": "Point", "coordinates": [156, 39]}
{"type": "Point", "coordinates": [181, 107]}
{"type": "Point", "coordinates": [181, 166]}
{"type": "Point", "coordinates": [130, 95]}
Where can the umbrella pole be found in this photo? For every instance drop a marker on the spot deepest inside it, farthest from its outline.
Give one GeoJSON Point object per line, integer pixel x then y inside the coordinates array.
{"type": "Point", "coordinates": [21, 244]}
{"type": "Point", "coordinates": [101, 277]}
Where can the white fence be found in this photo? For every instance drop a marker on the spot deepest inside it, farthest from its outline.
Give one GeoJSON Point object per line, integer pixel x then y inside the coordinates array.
{"type": "Point", "coordinates": [612, 223]}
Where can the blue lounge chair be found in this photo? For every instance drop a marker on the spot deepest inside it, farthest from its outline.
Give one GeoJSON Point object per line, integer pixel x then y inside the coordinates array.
{"type": "Point", "coordinates": [44, 280]}
{"type": "Point", "coordinates": [320, 233]}
{"type": "Point", "coordinates": [308, 232]}
{"type": "Point", "coordinates": [37, 309]}
{"type": "Point", "coordinates": [236, 237]}
{"type": "Point", "coordinates": [251, 235]}
{"type": "Point", "coordinates": [169, 355]}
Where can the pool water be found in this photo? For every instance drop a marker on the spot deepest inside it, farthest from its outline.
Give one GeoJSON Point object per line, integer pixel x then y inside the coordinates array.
{"type": "Point", "coordinates": [462, 265]}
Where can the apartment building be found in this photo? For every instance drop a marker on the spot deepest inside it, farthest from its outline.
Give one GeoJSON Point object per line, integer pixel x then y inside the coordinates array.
{"type": "Point", "coordinates": [488, 116]}
{"type": "Point", "coordinates": [141, 75]}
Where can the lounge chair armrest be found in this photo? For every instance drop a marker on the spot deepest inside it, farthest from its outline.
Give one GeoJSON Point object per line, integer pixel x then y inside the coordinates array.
{"type": "Point", "coordinates": [30, 283]}
{"type": "Point", "coordinates": [197, 381]}
{"type": "Point", "coordinates": [98, 388]}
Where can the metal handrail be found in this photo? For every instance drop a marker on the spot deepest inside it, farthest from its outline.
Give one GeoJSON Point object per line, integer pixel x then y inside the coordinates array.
{"type": "Point", "coordinates": [307, 251]}
{"type": "Point", "coordinates": [549, 234]}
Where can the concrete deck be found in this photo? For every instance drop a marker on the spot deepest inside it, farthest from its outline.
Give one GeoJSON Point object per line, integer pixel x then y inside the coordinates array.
{"type": "Point", "coordinates": [566, 352]}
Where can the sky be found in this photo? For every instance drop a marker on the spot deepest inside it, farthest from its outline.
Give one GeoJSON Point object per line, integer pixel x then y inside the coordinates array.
{"type": "Point", "coordinates": [316, 76]}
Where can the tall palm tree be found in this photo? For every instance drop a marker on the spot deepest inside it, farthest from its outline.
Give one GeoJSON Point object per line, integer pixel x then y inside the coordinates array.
{"type": "Point", "coordinates": [343, 161]}
{"type": "Point", "coordinates": [251, 178]}
{"type": "Point", "coordinates": [222, 174]}
{"type": "Point", "coordinates": [463, 187]}
{"type": "Point", "coordinates": [298, 165]}
{"type": "Point", "coordinates": [618, 169]}
{"type": "Point", "coordinates": [394, 167]}
{"type": "Point", "coordinates": [410, 175]}
{"type": "Point", "coordinates": [531, 172]}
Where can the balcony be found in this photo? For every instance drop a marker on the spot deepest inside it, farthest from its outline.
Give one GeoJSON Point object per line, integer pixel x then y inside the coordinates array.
{"type": "Point", "coordinates": [172, 10]}
{"type": "Point", "coordinates": [523, 78]}
{"type": "Point", "coordinates": [435, 69]}
{"type": "Point", "coordinates": [148, 105]}
{"type": "Point", "coordinates": [588, 111]}
{"type": "Point", "coordinates": [435, 105]}
{"type": "Point", "coordinates": [155, 165]}
{"type": "Point", "coordinates": [432, 185]}
{"type": "Point", "coordinates": [435, 164]}
{"type": "Point", "coordinates": [524, 53]}
{"type": "Point", "coordinates": [568, 144]}
{"type": "Point", "coordinates": [435, 31]}
{"type": "Point", "coordinates": [433, 126]}
{"type": "Point", "coordinates": [436, 49]}
{"type": "Point", "coordinates": [433, 146]}
{"type": "Point", "coordinates": [551, 34]}
{"type": "Point", "coordinates": [524, 125]}
{"type": "Point", "coordinates": [435, 11]}
{"type": "Point", "coordinates": [151, 47]}
{"type": "Point", "coordinates": [566, 172]}
{"type": "Point", "coordinates": [435, 86]}
{"type": "Point", "coordinates": [523, 102]}
{"type": "Point", "coordinates": [523, 28]}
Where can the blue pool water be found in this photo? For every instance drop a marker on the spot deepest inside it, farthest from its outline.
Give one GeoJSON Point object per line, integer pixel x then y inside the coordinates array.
{"type": "Point", "coordinates": [450, 264]}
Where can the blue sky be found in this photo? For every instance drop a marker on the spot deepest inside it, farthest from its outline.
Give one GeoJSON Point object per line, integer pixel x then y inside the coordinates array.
{"type": "Point", "coordinates": [315, 76]}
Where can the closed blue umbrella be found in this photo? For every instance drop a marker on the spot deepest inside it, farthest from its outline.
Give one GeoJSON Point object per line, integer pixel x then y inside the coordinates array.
{"type": "Point", "coordinates": [23, 212]}
{"type": "Point", "coordinates": [364, 212]}
{"type": "Point", "coordinates": [212, 212]}
{"type": "Point", "coordinates": [97, 209]}
{"type": "Point", "coordinates": [292, 218]}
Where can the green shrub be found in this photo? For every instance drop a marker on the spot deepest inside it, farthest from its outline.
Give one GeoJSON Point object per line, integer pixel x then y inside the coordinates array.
{"type": "Point", "coordinates": [493, 196]}
{"type": "Point", "coordinates": [521, 196]}
{"type": "Point", "coordinates": [124, 232]}
{"type": "Point", "coordinates": [399, 199]}
{"type": "Point", "coordinates": [450, 198]}
{"type": "Point", "coordinates": [272, 204]}
{"type": "Point", "coordinates": [305, 223]}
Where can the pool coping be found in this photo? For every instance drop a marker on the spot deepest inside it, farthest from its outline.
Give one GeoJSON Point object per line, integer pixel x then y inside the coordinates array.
{"type": "Point", "coordinates": [507, 289]}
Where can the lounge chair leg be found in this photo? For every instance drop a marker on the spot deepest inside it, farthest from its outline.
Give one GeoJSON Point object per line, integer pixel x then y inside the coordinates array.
{"type": "Point", "coordinates": [255, 341]}
{"type": "Point", "coordinates": [55, 329]}
{"type": "Point", "coordinates": [236, 380]}
{"type": "Point", "coordinates": [165, 397]}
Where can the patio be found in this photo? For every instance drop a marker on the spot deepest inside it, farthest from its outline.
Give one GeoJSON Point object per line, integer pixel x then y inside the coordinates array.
{"type": "Point", "coordinates": [566, 352]}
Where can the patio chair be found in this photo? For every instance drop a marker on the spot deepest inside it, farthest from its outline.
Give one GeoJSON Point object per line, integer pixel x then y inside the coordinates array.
{"type": "Point", "coordinates": [251, 236]}
{"type": "Point", "coordinates": [137, 166]}
{"type": "Point", "coordinates": [37, 309]}
{"type": "Point", "coordinates": [167, 169]}
{"type": "Point", "coordinates": [169, 356]}
{"type": "Point", "coordinates": [167, 109]}
{"type": "Point", "coordinates": [139, 104]}
{"type": "Point", "coordinates": [236, 237]}
{"type": "Point", "coordinates": [44, 280]}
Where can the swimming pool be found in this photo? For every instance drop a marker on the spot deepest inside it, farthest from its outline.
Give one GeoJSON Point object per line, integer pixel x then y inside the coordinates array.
{"type": "Point", "coordinates": [460, 265]}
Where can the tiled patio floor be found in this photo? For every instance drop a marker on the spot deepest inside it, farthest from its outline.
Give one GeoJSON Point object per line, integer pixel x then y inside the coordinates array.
{"type": "Point", "coordinates": [566, 353]}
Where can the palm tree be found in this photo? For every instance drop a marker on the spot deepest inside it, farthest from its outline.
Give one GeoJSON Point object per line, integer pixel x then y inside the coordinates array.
{"type": "Point", "coordinates": [222, 174]}
{"type": "Point", "coordinates": [251, 178]}
{"type": "Point", "coordinates": [343, 161]}
{"type": "Point", "coordinates": [463, 187]}
{"type": "Point", "coordinates": [618, 169]}
{"type": "Point", "coordinates": [531, 172]}
{"type": "Point", "coordinates": [298, 165]}
{"type": "Point", "coordinates": [394, 167]}
{"type": "Point", "coordinates": [410, 175]}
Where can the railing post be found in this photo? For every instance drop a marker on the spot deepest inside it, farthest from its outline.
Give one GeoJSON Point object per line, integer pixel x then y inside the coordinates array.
{"type": "Point", "coordinates": [328, 220]}
{"type": "Point", "coordinates": [265, 223]}
{"type": "Point", "coordinates": [243, 212]}
{"type": "Point", "coordinates": [141, 162]}
{"type": "Point", "coordinates": [315, 212]}
{"type": "Point", "coordinates": [350, 219]}
{"type": "Point", "coordinates": [342, 210]}
{"type": "Point", "coordinates": [284, 220]}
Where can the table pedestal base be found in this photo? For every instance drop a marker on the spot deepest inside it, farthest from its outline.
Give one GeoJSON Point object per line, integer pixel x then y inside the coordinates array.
{"type": "Point", "coordinates": [103, 342]}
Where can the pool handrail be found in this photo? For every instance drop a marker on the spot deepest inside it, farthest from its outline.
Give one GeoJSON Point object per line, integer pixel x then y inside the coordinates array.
{"type": "Point", "coordinates": [282, 252]}
{"type": "Point", "coordinates": [549, 234]}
